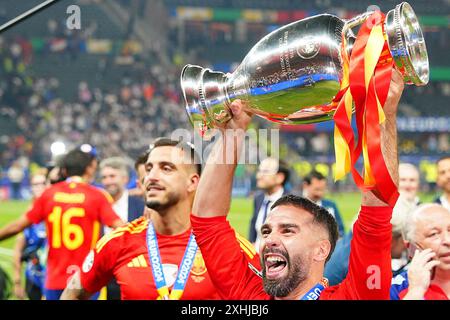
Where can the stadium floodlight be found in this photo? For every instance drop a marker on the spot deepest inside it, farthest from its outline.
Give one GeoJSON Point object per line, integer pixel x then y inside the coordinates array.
{"type": "Point", "coordinates": [58, 148]}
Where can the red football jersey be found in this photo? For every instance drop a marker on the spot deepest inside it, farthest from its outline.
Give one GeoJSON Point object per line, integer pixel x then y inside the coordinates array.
{"type": "Point", "coordinates": [369, 273]}
{"type": "Point", "coordinates": [123, 254]}
{"type": "Point", "coordinates": [434, 292]}
{"type": "Point", "coordinates": [73, 213]}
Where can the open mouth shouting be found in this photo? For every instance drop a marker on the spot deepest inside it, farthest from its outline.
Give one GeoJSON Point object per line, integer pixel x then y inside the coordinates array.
{"type": "Point", "coordinates": [275, 265]}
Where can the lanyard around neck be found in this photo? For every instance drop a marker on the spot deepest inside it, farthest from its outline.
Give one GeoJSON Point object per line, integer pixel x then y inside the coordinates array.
{"type": "Point", "coordinates": [157, 268]}
{"type": "Point", "coordinates": [315, 292]}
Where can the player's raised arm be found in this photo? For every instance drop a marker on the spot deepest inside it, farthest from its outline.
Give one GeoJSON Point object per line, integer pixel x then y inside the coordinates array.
{"type": "Point", "coordinates": [214, 190]}
{"type": "Point", "coordinates": [369, 275]}
{"type": "Point", "coordinates": [232, 261]}
{"type": "Point", "coordinates": [389, 136]}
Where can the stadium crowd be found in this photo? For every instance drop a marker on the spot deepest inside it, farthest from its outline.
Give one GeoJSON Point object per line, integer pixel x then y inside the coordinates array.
{"type": "Point", "coordinates": [116, 121]}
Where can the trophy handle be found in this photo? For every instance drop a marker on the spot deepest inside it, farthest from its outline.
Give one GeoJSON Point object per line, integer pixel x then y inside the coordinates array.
{"type": "Point", "coordinates": [405, 40]}
{"type": "Point", "coordinates": [356, 21]}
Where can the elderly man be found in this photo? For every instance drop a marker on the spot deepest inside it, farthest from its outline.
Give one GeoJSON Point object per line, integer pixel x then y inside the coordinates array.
{"type": "Point", "coordinates": [427, 236]}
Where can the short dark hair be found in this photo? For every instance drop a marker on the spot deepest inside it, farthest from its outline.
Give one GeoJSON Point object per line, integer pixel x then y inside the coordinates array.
{"type": "Point", "coordinates": [187, 148]}
{"type": "Point", "coordinates": [283, 167]}
{"type": "Point", "coordinates": [313, 175]}
{"type": "Point", "coordinates": [76, 162]}
{"type": "Point", "coordinates": [142, 159]}
{"type": "Point", "coordinates": [321, 216]}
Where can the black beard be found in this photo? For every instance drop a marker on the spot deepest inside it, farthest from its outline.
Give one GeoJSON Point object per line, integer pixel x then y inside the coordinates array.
{"type": "Point", "coordinates": [153, 204]}
{"type": "Point", "coordinates": [159, 206]}
{"type": "Point", "coordinates": [297, 273]}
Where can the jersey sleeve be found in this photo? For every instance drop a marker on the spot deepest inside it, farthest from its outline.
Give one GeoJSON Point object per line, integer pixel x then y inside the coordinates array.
{"type": "Point", "coordinates": [106, 212]}
{"type": "Point", "coordinates": [231, 260]}
{"type": "Point", "coordinates": [98, 266]}
{"type": "Point", "coordinates": [36, 213]}
{"type": "Point", "coordinates": [369, 273]}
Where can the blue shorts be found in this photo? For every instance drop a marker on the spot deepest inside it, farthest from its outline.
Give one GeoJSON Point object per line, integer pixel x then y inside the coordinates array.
{"type": "Point", "coordinates": [56, 294]}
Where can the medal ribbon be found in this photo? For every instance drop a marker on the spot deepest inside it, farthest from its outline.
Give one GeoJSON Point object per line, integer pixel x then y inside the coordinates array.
{"type": "Point", "coordinates": [314, 292]}
{"type": "Point", "coordinates": [157, 268]}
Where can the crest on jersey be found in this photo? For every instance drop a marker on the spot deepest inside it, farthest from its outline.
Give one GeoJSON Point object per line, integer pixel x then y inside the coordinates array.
{"type": "Point", "coordinates": [198, 268]}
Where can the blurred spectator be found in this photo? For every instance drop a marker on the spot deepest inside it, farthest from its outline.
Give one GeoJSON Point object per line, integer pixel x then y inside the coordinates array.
{"type": "Point", "coordinates": [271, 178]}
{"type": "Point", "coordinates": [409, 182]}
{"type": "Point", "coordinates": [443, 181]}
{"type": "Point", "coordinates": [5, 285]}
{"type": "Point", "coordinates": [114, 177]}
{"type": "Point", "coordinates": [139, 167]}
{"type": "Point", "coordinates": [314, 188]}
{"type": "Point", "coordinates": [31, 248]}
{"type": "Point", "coordinates": [15, 175]}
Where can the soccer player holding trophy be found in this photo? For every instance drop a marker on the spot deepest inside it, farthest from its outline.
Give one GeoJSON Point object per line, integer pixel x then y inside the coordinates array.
{"type": "Point", "coordinates": [309, 71]}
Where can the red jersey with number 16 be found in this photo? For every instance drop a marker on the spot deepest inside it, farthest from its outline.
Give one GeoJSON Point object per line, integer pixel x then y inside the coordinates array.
{"type": "Point", "coordinates": [73, 212]}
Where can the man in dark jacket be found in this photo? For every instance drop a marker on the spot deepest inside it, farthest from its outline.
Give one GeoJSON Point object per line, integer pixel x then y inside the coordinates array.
{"type": "Point", "coordinates": [271, 178]}
{"type": "Point", "coordinates": [314, 188]}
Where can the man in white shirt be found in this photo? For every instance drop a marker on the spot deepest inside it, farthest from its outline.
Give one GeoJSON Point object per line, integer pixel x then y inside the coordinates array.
{"type": "Point", "coordinates": [271, 179]}
{"type": "Point", "coordinates": [114, 177]}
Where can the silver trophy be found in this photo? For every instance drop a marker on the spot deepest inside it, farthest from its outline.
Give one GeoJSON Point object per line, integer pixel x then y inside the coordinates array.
{"type": "Point", "coordinates": [292, 74]}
